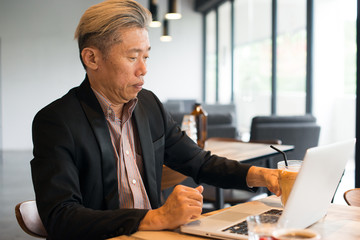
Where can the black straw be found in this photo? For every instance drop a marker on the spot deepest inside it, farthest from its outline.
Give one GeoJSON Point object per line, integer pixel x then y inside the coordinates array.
{"type": "Point", "coordinates": [284, 155]}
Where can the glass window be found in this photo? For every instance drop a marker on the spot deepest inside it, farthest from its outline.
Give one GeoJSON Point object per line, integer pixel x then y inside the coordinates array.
{"type": "Point", "coordinates": [334, 63]}
{"type": "Point", "coordinates": [350, 53]}
{"type": "Point", "coordinates": [225, 53]}
{"type": "Point", "coordinates": [291, 57]}
{"type": "Point", "coordinates": [335, 68]}
{"type": "Point", "coordinates": [210, 87]}
{"type": "Point", "coordinates": [252, 60]}
{"type": "Point", "coordinates": [335, 76]}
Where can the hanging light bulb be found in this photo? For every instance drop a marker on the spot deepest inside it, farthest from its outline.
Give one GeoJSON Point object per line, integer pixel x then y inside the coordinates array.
{"type": "Point", "coordinates": [154, 12]}
{"type": "Point", "coordinates": [173, 10]}
{"type": "Point", "coordinates": [165, 36]}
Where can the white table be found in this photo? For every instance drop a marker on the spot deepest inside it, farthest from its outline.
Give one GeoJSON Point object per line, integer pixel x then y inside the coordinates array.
{"type": "Point", "coordinates": [341, 222]}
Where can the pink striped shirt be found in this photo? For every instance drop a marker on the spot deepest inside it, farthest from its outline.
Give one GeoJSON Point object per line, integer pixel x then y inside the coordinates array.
{"type": "Point", "coordinates": [131, 189]}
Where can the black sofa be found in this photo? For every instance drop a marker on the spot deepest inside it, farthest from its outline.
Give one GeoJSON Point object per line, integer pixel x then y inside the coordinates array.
{"type": "Point", "coordinates": [221, 117]}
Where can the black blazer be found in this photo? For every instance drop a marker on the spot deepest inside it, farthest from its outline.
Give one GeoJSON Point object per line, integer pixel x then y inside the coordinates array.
{"type": "Point", "coordinates": [74, 168]}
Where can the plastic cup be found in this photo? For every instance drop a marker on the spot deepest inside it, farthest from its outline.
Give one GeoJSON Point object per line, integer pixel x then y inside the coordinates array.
{"type": "Point", "coordinates": [261, 227]}
{"type": "Point", "coordinates": [288, 175]}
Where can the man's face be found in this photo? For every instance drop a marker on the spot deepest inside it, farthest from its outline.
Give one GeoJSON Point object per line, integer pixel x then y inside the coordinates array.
{"type": "Point", "coordinates": [121, 74]}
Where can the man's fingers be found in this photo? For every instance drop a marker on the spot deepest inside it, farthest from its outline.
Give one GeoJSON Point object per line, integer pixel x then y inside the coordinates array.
{"type": "Point", "coordinates": [190, 196]}
{"type": "Point", "coordinates": [275, 188]}
{"type": "Point", "coordinates": [191, 193]}
{"type": "Point", "coordinates": [194, 202]}
{"type": "Point", "coordinates": [200, 189]}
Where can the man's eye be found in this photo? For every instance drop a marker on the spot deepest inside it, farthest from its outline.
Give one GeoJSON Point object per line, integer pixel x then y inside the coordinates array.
{"type": "Point", "coordinates": [132, 58]}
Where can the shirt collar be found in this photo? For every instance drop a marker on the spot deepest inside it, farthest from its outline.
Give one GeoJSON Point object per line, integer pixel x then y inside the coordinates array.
{"type": "Point", "coordinates": [108, 110]}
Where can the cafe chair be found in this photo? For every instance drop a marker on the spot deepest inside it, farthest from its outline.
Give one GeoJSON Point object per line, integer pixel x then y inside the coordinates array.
{"type": "Point", "coordinates": [29, 220]}
{"type": "Point", "coordinates": [170, 178]}
{"type": "Point", "coordinates": [352, 197]}
{"type": "Point", "coordinates": [301, 131]}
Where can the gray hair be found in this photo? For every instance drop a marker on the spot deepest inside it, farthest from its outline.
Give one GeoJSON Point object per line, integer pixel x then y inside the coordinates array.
{"type": "Point", "coordinates": [100, 25]}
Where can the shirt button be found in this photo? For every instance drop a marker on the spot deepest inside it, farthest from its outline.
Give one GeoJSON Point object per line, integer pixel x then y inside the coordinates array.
{"type": "Point", "coordinates": [134, 181]}
{"type": "Point", "coordinates": [127, 152]}
{"type": "Point", "coordinates": [109, 112]}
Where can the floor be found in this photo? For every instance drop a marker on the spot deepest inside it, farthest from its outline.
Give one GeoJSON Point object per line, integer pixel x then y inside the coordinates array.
{"type": "Point", "coordinates": [16, 186]}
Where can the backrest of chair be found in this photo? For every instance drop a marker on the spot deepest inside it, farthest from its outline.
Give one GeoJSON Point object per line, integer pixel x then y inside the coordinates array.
{"type": "Point", "coordinates": [300, 131]}
{"type": "Point", "coordinates": [180, 105]}
{"type": "Point", "coordinates": [222, 109]}
{"type": "Point", "coordinates": [352, 197]}
{"type": "Point", "coordinates": [29, 220]}
{"type": "Point", "coordinates": [170, 178]}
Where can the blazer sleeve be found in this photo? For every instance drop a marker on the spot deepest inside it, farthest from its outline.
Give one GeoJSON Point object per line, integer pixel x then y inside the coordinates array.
{"type": "Point", "coordinates": [59, 188]}
{"type": "Point", "coordinates": [184, 156]}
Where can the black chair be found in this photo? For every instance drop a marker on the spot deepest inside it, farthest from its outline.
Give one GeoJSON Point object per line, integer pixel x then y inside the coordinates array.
{"type": "Point", "coordinates": [300, 131]}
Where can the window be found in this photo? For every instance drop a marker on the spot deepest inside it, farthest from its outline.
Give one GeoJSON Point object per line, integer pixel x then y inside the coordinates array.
{"type": "Point", "coordinates": [225, 68]}
{"type": "Point", "coordinates": [335, 68]}
{"type": "Point", "coordinates": [333, 65]}
{"type": "Point", "coordinates": [252, 60]}
{"type": "Point", "coordinates": [335, 76]}
{"type": "Point", "coordinates": [211, 57]}
{"type": "Point", "coordinates": [291, 57]}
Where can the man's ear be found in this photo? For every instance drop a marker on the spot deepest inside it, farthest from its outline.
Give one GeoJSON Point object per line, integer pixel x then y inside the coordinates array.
{"type": "Point", "coordinates": [90, 57]}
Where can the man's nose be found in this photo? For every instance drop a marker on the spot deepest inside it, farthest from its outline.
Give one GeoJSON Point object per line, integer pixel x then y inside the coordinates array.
{"type": "Point", "coordinates": [142, 68]}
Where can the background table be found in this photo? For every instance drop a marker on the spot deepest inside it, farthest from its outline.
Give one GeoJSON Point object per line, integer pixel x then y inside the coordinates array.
{"type": "Point", "coordinates": [244, 152]}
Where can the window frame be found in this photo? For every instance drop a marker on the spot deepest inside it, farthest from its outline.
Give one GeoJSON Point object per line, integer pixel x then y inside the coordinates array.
{"type": "Point", "coordinates": [214, 6]}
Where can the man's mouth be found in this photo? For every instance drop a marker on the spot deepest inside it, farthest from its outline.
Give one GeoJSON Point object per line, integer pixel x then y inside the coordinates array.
{"type": "Point", "coordinates": [139, 85]}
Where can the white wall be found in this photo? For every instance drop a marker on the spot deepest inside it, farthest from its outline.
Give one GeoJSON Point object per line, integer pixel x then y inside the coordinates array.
{"type": "Point", "coordinates": [39, 60]}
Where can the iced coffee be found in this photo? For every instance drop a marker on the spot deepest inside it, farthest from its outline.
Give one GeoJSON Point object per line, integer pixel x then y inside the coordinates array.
{"type": "Point", "coordinates": [287, 177]}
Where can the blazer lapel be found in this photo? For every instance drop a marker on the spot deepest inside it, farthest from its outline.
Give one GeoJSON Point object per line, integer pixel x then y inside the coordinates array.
{"type": "Point", "coordinates": [97, 121]}
{"type": "Point", "coordinates": [147, 153]}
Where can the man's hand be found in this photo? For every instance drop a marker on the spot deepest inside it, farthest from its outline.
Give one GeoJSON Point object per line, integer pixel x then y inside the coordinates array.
{"type": "Point", "coordinates": [264, 177]}
{"type": "Point", "coordinates": [183, 204]}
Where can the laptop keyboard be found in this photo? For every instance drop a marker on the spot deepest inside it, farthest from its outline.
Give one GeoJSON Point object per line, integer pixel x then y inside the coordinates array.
{"type": "Point", "coordinates": [241, 228]}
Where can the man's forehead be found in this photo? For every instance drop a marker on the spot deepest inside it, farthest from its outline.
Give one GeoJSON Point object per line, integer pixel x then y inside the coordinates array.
{"type": "Point", "coordinates": [135, 49]}
{"type": "Point", "coordinates": [134, 40]}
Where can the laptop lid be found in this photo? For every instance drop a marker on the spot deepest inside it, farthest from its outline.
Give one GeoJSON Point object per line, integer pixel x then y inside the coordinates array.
{"type": "Point", "coordinates": [316, 183]}
{"type": "Point", "coordinates": [308, 202]}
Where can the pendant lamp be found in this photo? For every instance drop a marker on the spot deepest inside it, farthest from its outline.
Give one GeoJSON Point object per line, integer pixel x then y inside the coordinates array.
{"type": "Point", "coordinates": [153, 5]}
{"type": "Point", "coordinates": [173, 10]}
{"type": "Point", "coordinates": [165, 36]}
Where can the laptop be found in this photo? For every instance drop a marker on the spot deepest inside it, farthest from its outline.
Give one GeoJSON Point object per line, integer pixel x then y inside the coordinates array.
{"type": "Point", "coordinates": [308, 202]}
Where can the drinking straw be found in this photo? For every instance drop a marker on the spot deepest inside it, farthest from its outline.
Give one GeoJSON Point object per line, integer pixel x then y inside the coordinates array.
{"type": "Point", "coordinates": [284, 154]}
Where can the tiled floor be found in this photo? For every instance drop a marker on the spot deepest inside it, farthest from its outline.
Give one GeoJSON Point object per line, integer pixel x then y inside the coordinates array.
{"type": "Point", "coordinates": [16, 186]}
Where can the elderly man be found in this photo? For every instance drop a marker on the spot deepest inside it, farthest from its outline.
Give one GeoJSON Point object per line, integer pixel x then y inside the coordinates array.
{"type": "Point", "coordinates": [99, 150]}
